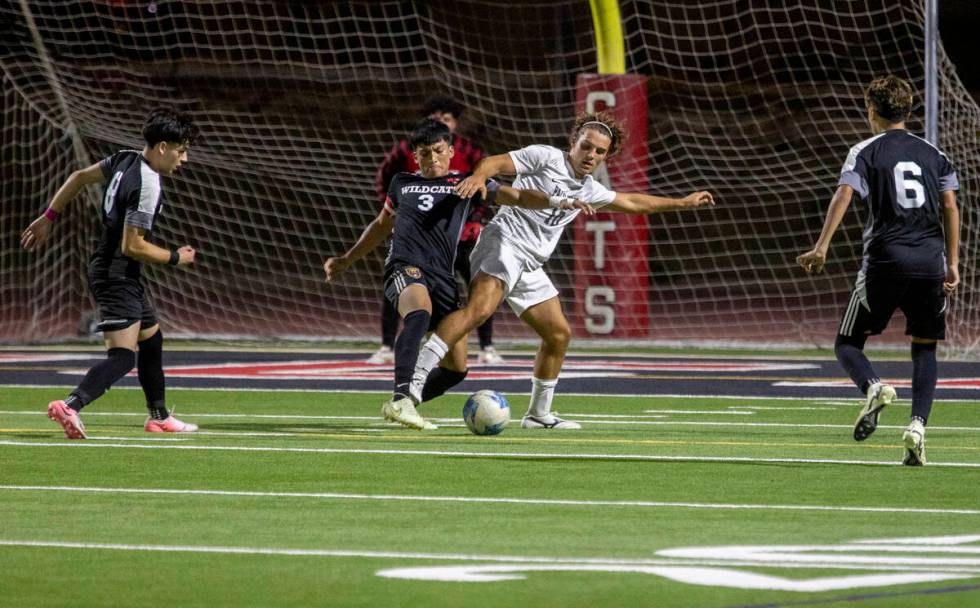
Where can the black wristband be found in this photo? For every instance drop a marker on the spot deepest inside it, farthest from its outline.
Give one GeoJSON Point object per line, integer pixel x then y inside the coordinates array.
{"type": "Point", "coordinates": [174, 258]}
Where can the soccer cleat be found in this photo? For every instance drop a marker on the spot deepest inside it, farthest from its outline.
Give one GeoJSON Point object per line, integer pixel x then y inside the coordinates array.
{"type": "Point", "coordinates": [170, 425]}
{"type": "Point", "coordinates": [879, 396]}
{"type": "Point", "coordinates": [382, 356]}
{"type": "Point", "coordinates": [68, 419]}
{"type": "Point", "coordinates": [915, 444]}
{"type": "Point", "coordinates": [489, 356]}
{"type": "Point", "coordinates": [403, 412]}
{"type": "Point", "coordinates": [551, 421]}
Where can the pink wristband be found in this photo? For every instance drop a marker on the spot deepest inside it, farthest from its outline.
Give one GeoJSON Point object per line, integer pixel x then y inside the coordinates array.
{"type": "Point", "coordinates": [51, 214]}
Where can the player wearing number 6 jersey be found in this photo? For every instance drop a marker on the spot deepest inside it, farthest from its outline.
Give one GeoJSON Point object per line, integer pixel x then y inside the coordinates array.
{"type": "Point", "coordinates": [911, 254]}
{"type": "Point", "coordinates": [427, 217]}
{"type": "Point", "coordinates": [509, 257]}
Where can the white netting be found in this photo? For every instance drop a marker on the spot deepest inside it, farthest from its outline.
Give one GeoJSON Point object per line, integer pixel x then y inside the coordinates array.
{"type": "Point", "coordinates": [298, 102]}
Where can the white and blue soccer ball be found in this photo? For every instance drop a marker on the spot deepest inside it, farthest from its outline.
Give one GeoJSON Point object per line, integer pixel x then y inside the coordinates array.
{"type": "Point", "coordinates": [486, 413]}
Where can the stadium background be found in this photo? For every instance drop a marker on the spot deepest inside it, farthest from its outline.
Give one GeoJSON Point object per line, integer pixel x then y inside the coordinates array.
{"type": "Point", "coordinates": [298, 102]}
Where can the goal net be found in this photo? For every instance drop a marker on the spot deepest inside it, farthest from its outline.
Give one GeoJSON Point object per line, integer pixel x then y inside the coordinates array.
{"type": "Point", "coordinates": [298, 103]}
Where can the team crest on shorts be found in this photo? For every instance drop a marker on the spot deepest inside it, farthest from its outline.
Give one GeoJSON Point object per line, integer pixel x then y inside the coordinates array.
{"type": "Point", "coordinates": [413, 272]}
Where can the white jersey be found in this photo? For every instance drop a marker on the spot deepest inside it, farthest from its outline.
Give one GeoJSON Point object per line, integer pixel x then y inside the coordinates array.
{"type": "Point", "coordinates": [534, 233]}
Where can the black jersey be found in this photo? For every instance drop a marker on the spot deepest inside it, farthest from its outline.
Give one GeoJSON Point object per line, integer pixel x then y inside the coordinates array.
{"type": "Point", "coordinates": [429, 218]}
{"type": "Point", "coordinates": [901, 177]}
{"type": "Point", "coordinates": [133, 197]}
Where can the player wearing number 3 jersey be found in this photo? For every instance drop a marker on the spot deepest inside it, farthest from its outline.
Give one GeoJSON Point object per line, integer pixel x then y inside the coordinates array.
{"type": "Point", "coordinates": [508, 259]}
{"type": "Point", "coordinates": [427, 217]}
{"type": "Point", "coordinates": [911, 254]}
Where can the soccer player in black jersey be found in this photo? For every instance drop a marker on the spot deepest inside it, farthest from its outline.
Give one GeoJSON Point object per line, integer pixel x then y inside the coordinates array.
{"type": "Point", "coordinates": [131, 203]}
{"type": "Point", "coordinates": [427, 217]}
{"type": "Point", "coordinates": [911, 254]}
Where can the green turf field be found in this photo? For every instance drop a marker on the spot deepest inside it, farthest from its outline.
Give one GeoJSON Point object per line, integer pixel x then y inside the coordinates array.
{"type": "Point", "coordinates": [309, 499]}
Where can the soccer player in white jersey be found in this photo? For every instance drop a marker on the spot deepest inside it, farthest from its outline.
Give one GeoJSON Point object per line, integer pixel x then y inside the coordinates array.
{"type": "Point", "coordinates": [508, 259]}
{"type": "Point", "coordinates": [910, 260]}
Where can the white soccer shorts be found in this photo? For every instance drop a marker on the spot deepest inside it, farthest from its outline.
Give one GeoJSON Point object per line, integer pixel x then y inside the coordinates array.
{"type": "Point", "coordinates": [523, 288]}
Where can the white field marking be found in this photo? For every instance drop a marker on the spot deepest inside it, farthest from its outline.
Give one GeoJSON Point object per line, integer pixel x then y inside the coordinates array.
{"type": "Point", "coordinates": [729, 412]}
{"type": "Point", "coordinates": [822, 408]}
{"type": "Point", "coordinates": [375, 420]}
{"type": "Point", "coordinates": [464, 454]}
{"type": "Point", "coordinates": [927, 540]}
{"type": "Point", "coordinates": [508, 559]}
{"type": "Point", "coordinates": [492, 500]}
{"type": "Point", "coordinates": [383, 394]}
{"type": "Point", "coordinates": [111, 438]}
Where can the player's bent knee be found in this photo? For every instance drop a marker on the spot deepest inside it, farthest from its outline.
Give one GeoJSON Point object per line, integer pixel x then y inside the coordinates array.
{"type": "Point", "coordinates": [852, 341]}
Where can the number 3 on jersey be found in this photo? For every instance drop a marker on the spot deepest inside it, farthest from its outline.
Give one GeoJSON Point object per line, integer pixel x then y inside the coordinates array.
{"type": "Point", "coordinates": [425, 202]}
{"type": "Point", "coordinates": [906, 183]}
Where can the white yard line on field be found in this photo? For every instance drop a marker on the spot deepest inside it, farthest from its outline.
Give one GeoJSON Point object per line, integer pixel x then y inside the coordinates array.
{"type": "Point", "coordinates": [552, 562]}
{"type": "Point", "coordinates": [486, 500]}
{"type": "Point", "coordinates": [474, 454]}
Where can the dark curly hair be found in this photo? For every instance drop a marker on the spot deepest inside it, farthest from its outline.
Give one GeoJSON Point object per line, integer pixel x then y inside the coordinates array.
{"type": "Point", "coordinates": [167, 124]}
{"type": "Point", "coordinates": [609, 126]}
{"type": "Point", "coordinates": [429, 131]}
{"type": "Point", "coordinates": [891, 98]}
{"type": "Point", "coordinates": [443, 105]}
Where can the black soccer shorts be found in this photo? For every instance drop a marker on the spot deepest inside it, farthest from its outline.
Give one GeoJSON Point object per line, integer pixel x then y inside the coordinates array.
{"type": "Point", "coordinates": [122, 302]}
{"type": "Point", "coordinates": [875, 298]}
{"type": "Point", "coordinates": [442, 290]}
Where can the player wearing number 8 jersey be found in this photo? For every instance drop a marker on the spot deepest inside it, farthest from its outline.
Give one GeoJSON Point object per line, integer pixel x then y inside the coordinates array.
{"type": "Point", "coordinates": [509, 257]}
{"type": "Point", "coordinates": [910, 258]}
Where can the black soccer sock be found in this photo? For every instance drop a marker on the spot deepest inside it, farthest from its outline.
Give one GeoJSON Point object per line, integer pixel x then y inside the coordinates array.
{"type": "Point", "coordinates": [389, 323]}
{"type": "Point", "coordinates": [923, 379]}
{"type": "Point", "coordinates": [416, 323]}
{"type": "Point", "coordinates": [149, 363]}
{"type": "Point", "coordinates": [102, 376]}
{"type": "Point", "coordinates": [440, 381]}
{"type": "Point", "coordinates": [485, 333]}
{"type": "Point", "coordinates": [850, 354]}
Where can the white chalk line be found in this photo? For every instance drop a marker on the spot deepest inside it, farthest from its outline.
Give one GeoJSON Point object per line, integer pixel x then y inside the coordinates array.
{"type": "Point", "coordinates": [475, 454]}
{"type": "Point", "coordinates": [487, 500]}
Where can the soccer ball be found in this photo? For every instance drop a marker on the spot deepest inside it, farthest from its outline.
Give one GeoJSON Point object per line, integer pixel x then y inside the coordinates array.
{"type": "Point", "coordinates": [486, 413]}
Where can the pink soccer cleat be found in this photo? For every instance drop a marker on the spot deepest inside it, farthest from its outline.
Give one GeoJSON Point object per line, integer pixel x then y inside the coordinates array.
{"type": "Point", "coordinates": [170, 425]}
{"type": "Point", "coordinates": [68, 419]}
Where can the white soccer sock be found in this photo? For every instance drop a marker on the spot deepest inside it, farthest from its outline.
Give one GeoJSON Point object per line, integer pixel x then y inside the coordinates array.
{"type": "Point", "coordinates": [433, 351]}
{"type": "Point", "coordinates": [542, 392]}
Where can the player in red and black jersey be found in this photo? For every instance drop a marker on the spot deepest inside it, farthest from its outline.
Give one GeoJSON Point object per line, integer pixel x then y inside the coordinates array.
{"type": "Point", "coordinates": [401, 160]}
{"type": "Point", "coordinates": [130, 206]}
{"type": "Point", "coordinates": [911, 254]}
{"type": "Point", "coordinates": [426, 218]}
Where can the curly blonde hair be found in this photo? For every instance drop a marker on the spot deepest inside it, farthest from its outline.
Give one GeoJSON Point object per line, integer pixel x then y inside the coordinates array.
{"type": "Point", "coordinates": [609, 126]}
{"type": "Point", "coordinates": [891, 98]}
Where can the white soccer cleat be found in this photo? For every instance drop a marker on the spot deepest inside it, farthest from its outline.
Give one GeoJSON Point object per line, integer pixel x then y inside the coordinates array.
{"type": "Point", "coordinates": [489, 356]}
{"type": "Point", "coordinates": [382, 356]}
{"type": "Point", "coordinates": [879, 396]}
{"type": "Point", "coordinates": [403, 412]}
{"type": "Point", "coordinates": [551, 421]}
{"type": "Point", "coordinates": [915, 444]}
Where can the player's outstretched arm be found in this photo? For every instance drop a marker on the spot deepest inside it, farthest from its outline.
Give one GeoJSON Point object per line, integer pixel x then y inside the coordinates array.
{"type": "Point", "coordinates": [951, 231]}
{"type": "Point", "coordinates": [135, 245]}
{"type": "Point", "coordinates": [532, 199]}
{"type": "Point", "coordinates": [640, 203]}
{"type": "Point", "coordinates": [38, 232]}
{"type": "Point", "coordinates": [813, 261]}
{"type": "Point", "coordinates": [499, 164]}
{"type": "Point", "coordinates": [375, 234]}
